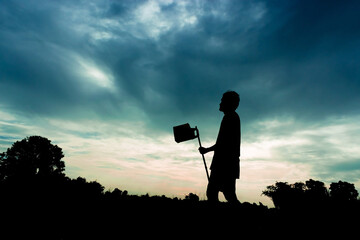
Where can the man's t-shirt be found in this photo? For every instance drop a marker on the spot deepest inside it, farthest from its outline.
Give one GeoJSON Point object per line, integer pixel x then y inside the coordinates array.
{"type": "Point", "coordinates": [227, 148]}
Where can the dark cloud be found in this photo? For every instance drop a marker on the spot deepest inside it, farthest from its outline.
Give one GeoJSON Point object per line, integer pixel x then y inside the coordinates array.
{"type": "Point", "coordinates": [310, 46]}
{"type": "Point", "coordinates": [295, 58]}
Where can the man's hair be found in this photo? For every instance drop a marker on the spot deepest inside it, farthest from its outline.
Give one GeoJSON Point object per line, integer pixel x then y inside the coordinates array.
{"type": "Point", "coordinates": [232, 98]}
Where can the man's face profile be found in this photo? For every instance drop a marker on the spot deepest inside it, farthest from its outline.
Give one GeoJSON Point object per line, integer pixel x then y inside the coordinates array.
{"type": "Point", "coordinates": [224, 105]}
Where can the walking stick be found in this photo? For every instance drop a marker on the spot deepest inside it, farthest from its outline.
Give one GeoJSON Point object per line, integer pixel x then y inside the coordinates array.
{"type": "Point", "coordinates": [203, 157]}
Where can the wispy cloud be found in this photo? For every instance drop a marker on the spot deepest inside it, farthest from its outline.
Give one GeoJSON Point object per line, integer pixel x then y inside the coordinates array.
{"type": "Point", "coordinates": [328, 148]}
{"type": "Point", "coordinates": [107, 80]}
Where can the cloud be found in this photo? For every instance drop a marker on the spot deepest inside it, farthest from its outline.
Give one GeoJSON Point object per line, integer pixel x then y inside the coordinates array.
{"type": "Point", "coordinates": [166, 55]}
{"type": "Point", "coordinates": [116, 154]}
{"type": "Point", "coordinates": [150, 65]}
{"type": "Point", "coordinates": [328, 149]}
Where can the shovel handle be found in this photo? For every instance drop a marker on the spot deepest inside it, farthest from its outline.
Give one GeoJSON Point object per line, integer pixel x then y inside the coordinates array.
{"type": "Point", "coordinates": [203, 157]}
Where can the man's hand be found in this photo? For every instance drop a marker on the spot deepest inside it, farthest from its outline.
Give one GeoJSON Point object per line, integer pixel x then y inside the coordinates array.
{"type": "Point", "coordinates": [203, 150]}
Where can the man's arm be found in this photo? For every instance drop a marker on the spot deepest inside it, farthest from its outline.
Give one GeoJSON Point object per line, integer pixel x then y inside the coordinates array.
{"type": "Point", "coordinates": [204, 150]}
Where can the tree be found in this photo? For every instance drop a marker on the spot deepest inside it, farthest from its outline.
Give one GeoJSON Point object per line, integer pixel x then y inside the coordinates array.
{"type": "Point", "coordinates": [30, 157]}
{"type": "Point", "coordinates": [192, 197]}
{"type": "Point", "coordinates": [297, 195]}
{"type": "Point", "coordinates": [316, 191]}
{"type": "Point", "coordinates": [343, 191]}
{"type": "Point", "coordinates": [280, 194]}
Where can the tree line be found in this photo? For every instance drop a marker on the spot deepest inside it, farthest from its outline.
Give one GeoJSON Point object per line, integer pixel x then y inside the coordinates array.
{"type": "Point", "coordinates": [34, 163]}
{"type": "Point", "coordinates": [33, 168]}
{"type": "Point", "coordinates": [312, 193]}
{"type": "Point", "coordinates": [35, 194]}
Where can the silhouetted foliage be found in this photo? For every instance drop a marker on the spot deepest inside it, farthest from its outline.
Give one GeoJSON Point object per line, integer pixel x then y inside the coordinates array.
{"type": "Point", "coordinates": [309, 195]}
{"type": "Point", "coordinates": [282, 194]}
{"type": "Point", "coordinates": [343, 191]}
{"type": "Point", "coordinates": [315, 193]}
{"type": "Point", "coordinates": [32, 156]}
{"type": "Point", "coordinates": [38, 201]}
{"type": "Point", "coordinates": [192, 197]}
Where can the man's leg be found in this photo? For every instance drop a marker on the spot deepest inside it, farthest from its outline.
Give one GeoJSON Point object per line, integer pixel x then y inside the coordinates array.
{"type": "Point", "coordinates": [230, 191]}
{"type": "Point", "coordinates": [212, 191]}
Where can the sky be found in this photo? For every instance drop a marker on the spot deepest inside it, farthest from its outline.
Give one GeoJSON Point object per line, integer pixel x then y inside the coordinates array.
{"type": "Point", "coordinates": [107, 80]}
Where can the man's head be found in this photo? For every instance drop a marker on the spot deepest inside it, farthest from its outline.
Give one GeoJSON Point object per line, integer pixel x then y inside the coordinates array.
{"type": "Point", "coordinates": [229, 102]}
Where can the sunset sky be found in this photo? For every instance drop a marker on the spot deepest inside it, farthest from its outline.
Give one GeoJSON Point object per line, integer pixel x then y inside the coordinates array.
{"type": "Point", "coordinates": [107, 80]}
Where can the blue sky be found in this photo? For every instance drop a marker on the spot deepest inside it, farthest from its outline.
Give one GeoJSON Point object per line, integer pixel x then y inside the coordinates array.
{"type": "Point", "coordinates": [107, 81]}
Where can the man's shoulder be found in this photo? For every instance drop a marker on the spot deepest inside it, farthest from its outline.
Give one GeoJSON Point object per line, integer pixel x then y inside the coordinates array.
{"type": "Point", "coordinates": [232, 116]}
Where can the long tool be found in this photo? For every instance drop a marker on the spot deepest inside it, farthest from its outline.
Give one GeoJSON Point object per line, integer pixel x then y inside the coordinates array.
{"type": "Point", "coordinates": [184, 133]}
{"type": "Point", "coordinates": [203, 157]}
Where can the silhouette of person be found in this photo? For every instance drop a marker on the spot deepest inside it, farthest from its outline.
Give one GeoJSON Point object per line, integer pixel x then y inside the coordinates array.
{"type": "Point", "coordinates": [225, 166]}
